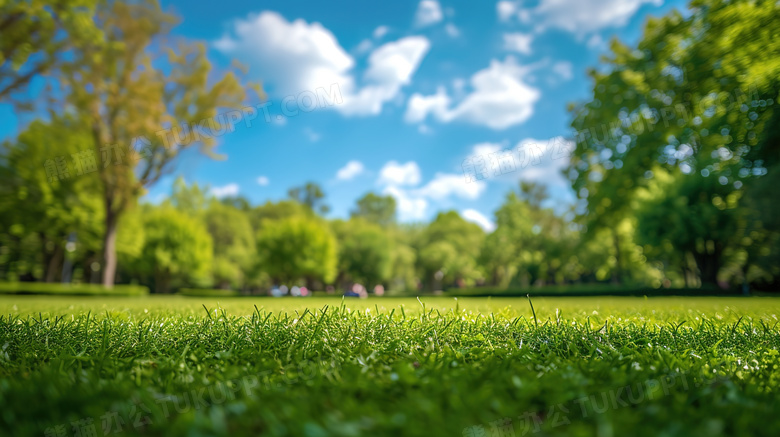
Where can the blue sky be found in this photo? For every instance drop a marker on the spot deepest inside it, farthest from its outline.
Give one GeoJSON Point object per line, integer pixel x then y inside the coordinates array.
{"type": "Point", "coordinates": [422, 86]}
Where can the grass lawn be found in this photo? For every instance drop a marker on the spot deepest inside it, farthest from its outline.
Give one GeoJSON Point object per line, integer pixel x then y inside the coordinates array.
{"type": "Point", "coordinates": [606, 366]}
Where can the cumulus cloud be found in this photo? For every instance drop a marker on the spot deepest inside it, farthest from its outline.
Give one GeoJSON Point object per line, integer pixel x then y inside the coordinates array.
{"type": "Point", "coordinates": [586, 16]}
{"type": "Point", "coordinates": [444, 185]}
{"type": "Point", "coordinates": [224, 191]}
{"type": "Point", "coordinates": [580, 17]}
{"type": "Point", "coordinates": [500, 98]}
{"type": "Point", "coordinates": [409, 207]}
{"type": "Point", "coordinates": [518, 42]}
{"type": "Point", "coordinates": [349, 171]}
{"type": "Point", "coordinates": [480, 219]}
{"type": "Point", "coordinates": [428, 13]}
{"type": "Point", "coordinates": [295, 56]}
{"type": "Point", "coordinates": [486, 149]}
{"type": "Point", "coordinates": [394, 173]}
{"type": "Point", "coordinates": [263, 181]}
{"type": "Point", "coordinates": [506, 10]}
{"type": "Point", "coordinates": [541, 161]}
{"type": "Point", "coordinates": [402, 181]}
{"type": "Point", "coordinates": [390, 67]}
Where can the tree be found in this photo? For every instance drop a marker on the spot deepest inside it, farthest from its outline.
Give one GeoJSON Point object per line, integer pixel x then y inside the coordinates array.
{"type": "Point", "coordinates": [234, 244]}
{"type": "Point", "coordinates": [376, 209]}
{"type": "Point", "coordinates": [311, 195]}
{"type": "Point", "coordinates": [365, 253]}
{"type": "Point", "coordinates": [297, 248]}
{"type": "Point", "coordinates": [448, 249]}
{"type": "Point", "coordinates": [126, 93]}
{"type": "Point", "coordinates": [37, 37]}
{"type": "Point", "coordinates": [39, 197]}
{"type": "Point", "coordinates": [696, 216]}
{"type": "Point", "coordinates": [270, 211]}
{"type": "Point", "coordinates": [177, 247]}
{"type": "Point", "coordinates": [694, 98]}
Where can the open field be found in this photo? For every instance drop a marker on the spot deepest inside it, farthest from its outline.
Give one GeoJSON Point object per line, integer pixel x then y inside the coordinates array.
{"type": "Point", "coordinates": [323, 366]}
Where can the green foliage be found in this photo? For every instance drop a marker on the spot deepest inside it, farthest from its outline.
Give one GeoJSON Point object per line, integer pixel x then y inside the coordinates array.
{"type": "Point", "coordinates": [365, 252]}
{"type": "Point", "coordinates": [297, 248]}
{"type": "Point", "coordinates": [310, 195]}
{"type": "Point", "coordinates": [37, 35]}
{"type": "Point", "coordinates": [234, 244]}
{"type": "Point", "coordinates": [694, 101]}
{"type": "Point", "coordinates": [43, 207]}
{"type": "Point", "coordinates": [447, 248]}
{"type": "Point", "coordinates": [177, 248]}
{"type": "Point", "coordinates": [376, 209]}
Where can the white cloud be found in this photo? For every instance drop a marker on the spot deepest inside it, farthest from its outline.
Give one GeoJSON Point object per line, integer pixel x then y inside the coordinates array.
{"type": "Point", "coordinates": [419, 106]}
{"type": "Point", "coordinates": [452, 30]}
{"type": "Point", "coordinates": [477, 217]}
{"type": "Point", "coordinates": [394, 173]}
{"type": "Point", "coordinates": [484, 149]}
{"type": "Point", "coordinates": [541, 161]}
{"type": "Point", "coordinates": [409, 207]}
{"type": "Point", "coordinates": [500, 98]}
{"type": "Point", "coordinates": [506, 10]}
{"type": "Point", "coordinates": [224, 191]}
{"type": "Point", "coordinates": [263, 181]}
{"type": "Point", "coordinates": [293, 57]}
{"type": "Point", "coordinates": [444, 185]}
{"type": "Point", "coordinates": [391, 66]}
{"type": "Point", "coordinates": [349, 171]}
{"type": "Point", "coordinates": [518, 42]}
{"type": "Point", "coordinates": [381, 31]}
{"type": "Point", "coordinates": [563, 69]}
{"type": "Point", "coordinates": [401, 181]}
{"type": "Point", "coordinates": [585, 16]}
{"type": "Point", "coordinates": [428, 13]}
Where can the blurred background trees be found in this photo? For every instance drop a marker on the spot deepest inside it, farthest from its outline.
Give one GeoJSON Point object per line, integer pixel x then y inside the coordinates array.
{"type": "Point", "coordinates": [676, 161]}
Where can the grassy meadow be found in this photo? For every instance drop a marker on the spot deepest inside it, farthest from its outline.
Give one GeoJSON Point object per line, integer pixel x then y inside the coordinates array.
{"type": "Point", "coordinates": [171, 365]}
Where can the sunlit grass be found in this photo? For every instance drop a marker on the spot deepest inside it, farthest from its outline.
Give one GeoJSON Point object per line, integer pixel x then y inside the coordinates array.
{"type": "Point", "coordinates": [437, 366]}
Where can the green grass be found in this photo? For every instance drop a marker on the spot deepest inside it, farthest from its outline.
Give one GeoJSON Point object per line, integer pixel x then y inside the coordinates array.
{"type": "Point", "coordinates": [71, 289]}
{"type": "Point", "coordinates": [395, 366]}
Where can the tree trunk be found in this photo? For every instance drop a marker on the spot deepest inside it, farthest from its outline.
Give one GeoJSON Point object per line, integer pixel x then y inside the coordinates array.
{"type": "Point", "coordinates": [55, 263]}
{"type": "Point", "coordinates": [109, 246]}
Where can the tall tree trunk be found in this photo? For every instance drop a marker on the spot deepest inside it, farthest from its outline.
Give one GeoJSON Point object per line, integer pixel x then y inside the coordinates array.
{"type": "Point", "coordinates": [55, 263]}
{"type": "Point", "coordinates": [109, 246]}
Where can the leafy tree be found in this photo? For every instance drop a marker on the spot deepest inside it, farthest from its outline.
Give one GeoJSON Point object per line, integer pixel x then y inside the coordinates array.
{"type": "Point", "coordinates": [298, 248]}
{"type": "Point", "coordinates": [365, 252]}
{"type": "Point", "coordinates": [234, 244]}
{"type": "Point", "coordinates": [271, 211]}
{"type": "Point", "coordinates": [311, 195]}
{"type": "Point", "coordinates": [696, 216]}
{"type": "Point", "coordinates": [376, 209]}
{"type": "Point", "coordinates": [448, 248]}
{"type": "Point", "coordinates": [39, 199]}
{"type": "Point", "coordinates": [177, 249]}
{"type": "Point", "coordinates": [126, 102]}
{"type": "Point", "coordinates": [37, 36]}
{"type": "Point", "coordinates": [694, 97]}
